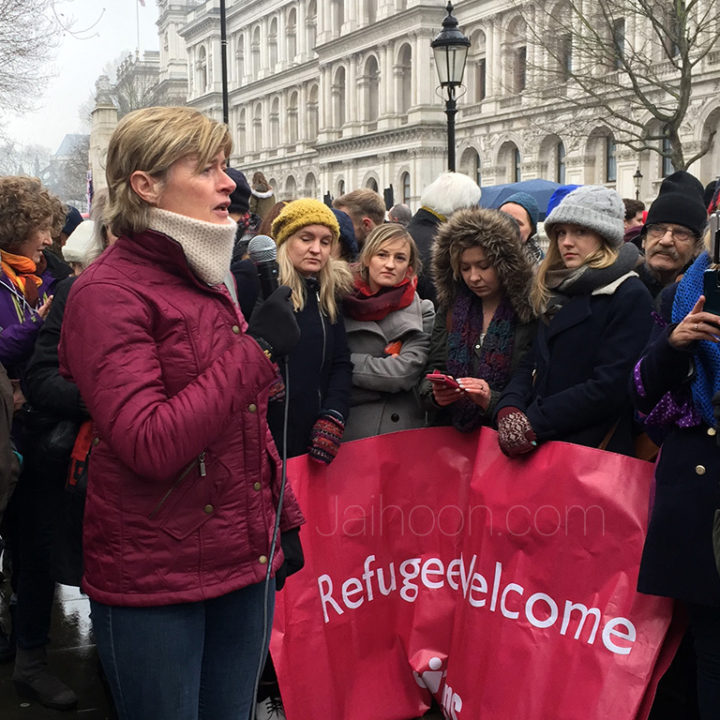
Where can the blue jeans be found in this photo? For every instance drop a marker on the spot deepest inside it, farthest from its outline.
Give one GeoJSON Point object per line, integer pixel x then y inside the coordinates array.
{"type": "Point", "coordinates": [193, 661]}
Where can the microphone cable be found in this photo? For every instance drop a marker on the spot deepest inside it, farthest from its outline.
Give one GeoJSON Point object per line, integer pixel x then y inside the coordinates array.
{"type": "Point", "coordinates": [273, 544]}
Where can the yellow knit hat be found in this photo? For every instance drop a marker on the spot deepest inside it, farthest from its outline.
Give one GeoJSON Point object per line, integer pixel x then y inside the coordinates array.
{"type": "Point", "coordinates": [299, 213]}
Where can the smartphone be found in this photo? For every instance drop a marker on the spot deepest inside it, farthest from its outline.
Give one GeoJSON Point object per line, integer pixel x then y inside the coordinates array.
{"type": "Point", "coordinates": [711, 278]}
{"type": "Point", "coordinates": [711, 291]}
{"type": "Point", "coordinates": [443, 379]}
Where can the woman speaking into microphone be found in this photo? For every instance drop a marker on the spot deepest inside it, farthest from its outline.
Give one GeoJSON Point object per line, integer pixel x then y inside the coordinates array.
{"type": "Point", "coordinates": [184, 476]}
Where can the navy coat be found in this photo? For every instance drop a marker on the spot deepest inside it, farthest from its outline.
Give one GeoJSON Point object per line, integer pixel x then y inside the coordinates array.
{"type": "Point", "coordinates": [678, 557]}
{"type": "Point", "coordinates": [572, 385]}
{"type": "Point", "coordinates": [320, 376]}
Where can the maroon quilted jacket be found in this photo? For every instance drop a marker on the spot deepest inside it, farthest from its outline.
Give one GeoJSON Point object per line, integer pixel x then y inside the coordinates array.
{"type": "Point", "coordinates": [184, 474]}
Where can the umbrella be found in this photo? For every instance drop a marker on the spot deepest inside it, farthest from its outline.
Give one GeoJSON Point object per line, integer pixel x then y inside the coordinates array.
{"type": "Point", "coordinates": [541, 190]}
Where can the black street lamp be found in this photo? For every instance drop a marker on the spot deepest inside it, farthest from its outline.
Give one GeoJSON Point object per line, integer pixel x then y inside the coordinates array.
{"type": "Point", "coordinates": [450, 48]}
{"type": "Point", "coordinates": [637, 179]}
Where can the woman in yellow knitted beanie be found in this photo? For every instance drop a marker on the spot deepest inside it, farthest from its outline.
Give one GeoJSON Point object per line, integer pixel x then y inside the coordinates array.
{"type": "Point", "coordinates": [306, 232]}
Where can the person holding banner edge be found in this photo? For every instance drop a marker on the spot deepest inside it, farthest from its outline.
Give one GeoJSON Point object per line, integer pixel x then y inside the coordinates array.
{"type": "Point", "coordinates": [675, 386]}
{"type": "Point", "coordinates": [185, 479]}
{"type": "Point", "coordinates": [594, 320]}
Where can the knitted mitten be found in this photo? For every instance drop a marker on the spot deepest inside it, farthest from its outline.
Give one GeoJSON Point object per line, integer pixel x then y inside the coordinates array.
{"type": "Point", "coordinates": [326, 436]}
{"type": "Point", "coordinates": [515, 433]}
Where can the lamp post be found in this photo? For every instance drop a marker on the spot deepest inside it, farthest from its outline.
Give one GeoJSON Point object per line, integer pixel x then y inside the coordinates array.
{"type": "Point", "coordinates": [637, 179]}
{"type": "Point", "coordinates": [450, 49]}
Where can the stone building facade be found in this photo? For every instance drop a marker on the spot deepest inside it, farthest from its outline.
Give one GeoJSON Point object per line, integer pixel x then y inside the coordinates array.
{"type": "Point", "coordinates": [329, 95]}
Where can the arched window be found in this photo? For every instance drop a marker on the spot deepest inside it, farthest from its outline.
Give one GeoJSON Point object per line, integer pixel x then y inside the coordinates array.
{"type": "Point", "coordinates": [311, 26]}
{"type": "Point", "coordinates": [405, 181]}
{"type": "Point", "coordinates": [291, 33]}
{"type": "Point", "coordinates": [560, 163]}
{"type": "Point", "coordinates": [340, 188]}
{"type": "Point", "coordinates": [257, 128]}
{"type": "Point", "coordinates": [338, 99]}
{"type": "Point", "coordinates": [292, 118]}
{"type": "Point", "coordinates": [240, 57]}
{"type": "Point", "coordinates": [275, 123]}
{"type": "Point", "coordinates": [201, 75]}
{"type": "Point", "coordinates": [312, 113]}
{"type": "Point", "coordinates": [370, 83]}
{"type": "Point", "coordinates": [290, 188]}
{"type": "Point", "coordinates": [509, 159]}
{"type": "Point", "coordinates": [241, 135]}
{"type": "Point", "coordinates": [403, 72]}
{"type": "Point", "coordinates": [372, 184]}
{"type": "Point", "coordinates": [337, 15]}
{"type": "Point", "coordinates": [610, 160]}
{"type": "Point", "coordinates": [255, 51]}
{"type": "Point", "coordinates": [477, 68]}
{"type": "Point", "coordinates": [470, 164]}
{"type": "Point", "coordinates": [273, 43]}
{"type": "Point", "coordinates": [310, 186]}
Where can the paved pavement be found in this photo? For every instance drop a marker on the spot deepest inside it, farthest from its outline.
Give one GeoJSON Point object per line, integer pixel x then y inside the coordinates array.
{"type": "Point", "coordinates": [73, 658]}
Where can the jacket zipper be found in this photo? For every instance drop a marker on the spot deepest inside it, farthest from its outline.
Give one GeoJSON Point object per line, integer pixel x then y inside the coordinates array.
{"type": "Point", "coordinates": [324, 346]}
{"type": "Point", "coordinates": [200, 460]}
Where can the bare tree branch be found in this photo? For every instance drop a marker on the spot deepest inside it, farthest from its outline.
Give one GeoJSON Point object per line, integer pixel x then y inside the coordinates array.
{"type": "Point", "coordinates": [630, 62]}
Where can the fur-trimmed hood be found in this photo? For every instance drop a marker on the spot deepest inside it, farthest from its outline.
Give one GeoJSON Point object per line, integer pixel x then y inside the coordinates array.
{"type": "Point", "coordinates": [498, 236]}
{"type": "Point", "coordinates": [261, 194]}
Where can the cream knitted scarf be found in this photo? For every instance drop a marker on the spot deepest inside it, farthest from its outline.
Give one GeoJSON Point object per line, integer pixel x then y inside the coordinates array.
{"type": "Point", "coordinates": [207, 246]}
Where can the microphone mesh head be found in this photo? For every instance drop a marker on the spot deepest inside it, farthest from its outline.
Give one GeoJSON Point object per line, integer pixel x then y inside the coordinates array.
{"type": "Point", "coordinates": [262, 249]}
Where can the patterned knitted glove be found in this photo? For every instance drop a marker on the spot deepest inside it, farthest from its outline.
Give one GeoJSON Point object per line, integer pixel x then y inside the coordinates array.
{"type": "Point", "coordinates": [326, 436]}
{"type": "Point", "coordinates": [515, 434]}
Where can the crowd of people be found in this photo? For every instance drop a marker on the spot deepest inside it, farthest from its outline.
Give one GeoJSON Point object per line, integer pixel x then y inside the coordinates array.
{"type": "Point", "coordinates": [145, 368]}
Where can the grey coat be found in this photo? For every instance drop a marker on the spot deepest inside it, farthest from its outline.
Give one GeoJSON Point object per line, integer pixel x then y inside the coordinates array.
{"type": "Point", "coordinates": [382, 398]}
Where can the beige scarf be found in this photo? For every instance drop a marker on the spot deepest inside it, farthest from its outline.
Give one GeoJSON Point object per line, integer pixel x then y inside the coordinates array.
{"type": "Point", "coordinates": [208, 247]}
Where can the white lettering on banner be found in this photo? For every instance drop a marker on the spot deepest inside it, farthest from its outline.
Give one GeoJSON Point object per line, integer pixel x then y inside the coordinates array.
{"type": "Point", "coordinates": [539, 609]}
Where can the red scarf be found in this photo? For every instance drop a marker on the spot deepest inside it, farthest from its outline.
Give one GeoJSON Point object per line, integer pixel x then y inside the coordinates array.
{"type": "Point", "coordinates": [362, 304]}
{"type": "Point", "coordinates": [21, 271]}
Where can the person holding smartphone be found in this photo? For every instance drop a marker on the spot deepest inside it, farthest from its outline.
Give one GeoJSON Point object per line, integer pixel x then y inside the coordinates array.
{"type": "Point", "coordinates": [675, 386]}
{"type": "Point", "coordinates": [594, 319]}
{"type": "Point", "coordinates": [484, 324]}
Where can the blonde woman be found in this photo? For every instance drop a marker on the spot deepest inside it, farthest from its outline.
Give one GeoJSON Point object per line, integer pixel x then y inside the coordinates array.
{"type": "Point", "coordinates": [184, 478]}
{"type": "Point", "coordinates": [320, 372]}
{"type": "Point", "coordinates": [388, 329]}
{"type": "Point", "coordinates": [594, 319]}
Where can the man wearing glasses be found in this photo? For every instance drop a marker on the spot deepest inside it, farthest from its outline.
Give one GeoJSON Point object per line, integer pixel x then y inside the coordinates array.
{"type": "Point", "coordinates": [672, 235]}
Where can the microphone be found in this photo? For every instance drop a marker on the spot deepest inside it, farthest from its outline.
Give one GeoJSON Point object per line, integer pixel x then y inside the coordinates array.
{"type": "Point", "coordinates": [263, 252]}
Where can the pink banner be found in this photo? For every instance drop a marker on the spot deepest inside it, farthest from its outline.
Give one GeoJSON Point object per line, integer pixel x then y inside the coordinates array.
{"type": "Point", "coordinates": [504, 588]}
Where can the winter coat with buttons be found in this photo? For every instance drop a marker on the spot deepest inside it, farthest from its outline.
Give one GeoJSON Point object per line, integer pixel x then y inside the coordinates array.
{"type": "Point", "coordinates": [382, 398]}
{"type": "Point", "coordinates": [678, 558]}
{"type": "Point", "coordinates": [184, 475]}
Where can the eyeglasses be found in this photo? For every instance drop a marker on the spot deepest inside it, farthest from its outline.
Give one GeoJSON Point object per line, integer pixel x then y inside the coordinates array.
{"type": "Point", "coordinates": [678, 234]}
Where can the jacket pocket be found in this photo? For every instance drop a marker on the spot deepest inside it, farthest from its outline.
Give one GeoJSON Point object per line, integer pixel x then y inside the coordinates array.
{"type": "Point", "coordinates": [190, 500]}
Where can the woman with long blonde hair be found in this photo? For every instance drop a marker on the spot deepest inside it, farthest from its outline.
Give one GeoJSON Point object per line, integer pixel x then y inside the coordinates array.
{"type": "Point", "coordinates": [320, 371]}
{"type": "Point", "coordinates": [594, 319]}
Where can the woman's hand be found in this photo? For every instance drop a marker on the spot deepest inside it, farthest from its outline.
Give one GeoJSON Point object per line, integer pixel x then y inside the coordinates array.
{"type": "Point", "coordinates": [696, 325]}
{"type": "Point", "coordinates": [44, 309]}
{"type": "Point", "coordinates": [477, 390]}
{"type": "Point", "coordinates": [444, 395]}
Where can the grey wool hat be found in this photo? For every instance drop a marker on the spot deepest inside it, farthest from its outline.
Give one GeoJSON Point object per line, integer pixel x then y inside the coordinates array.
{"type": "Point", "coordinates": [594, 207]}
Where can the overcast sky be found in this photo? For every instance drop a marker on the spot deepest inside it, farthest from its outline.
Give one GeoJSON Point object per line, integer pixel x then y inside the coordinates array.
{"type": "Point", "coordinates": [79, 61]}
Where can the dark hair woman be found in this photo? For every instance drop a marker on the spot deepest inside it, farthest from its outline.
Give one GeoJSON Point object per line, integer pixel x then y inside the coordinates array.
{"type": "Point", "coordinates": [484, 324]}
{"type": "Point", "coordinates": [594, 319]}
